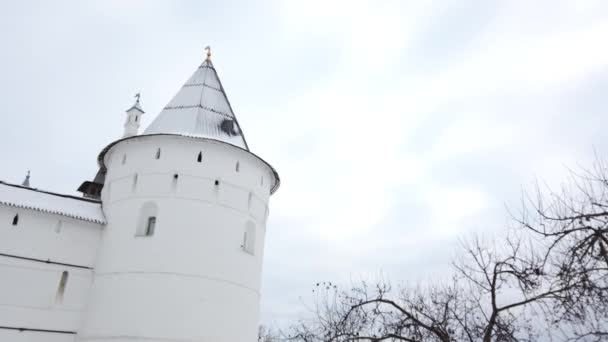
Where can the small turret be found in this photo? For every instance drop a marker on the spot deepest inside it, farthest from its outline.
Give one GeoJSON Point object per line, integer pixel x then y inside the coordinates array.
{"type": "Point", "coordinates": [133, 118]}
{"type": "Point", "coordinates": [26, 181]}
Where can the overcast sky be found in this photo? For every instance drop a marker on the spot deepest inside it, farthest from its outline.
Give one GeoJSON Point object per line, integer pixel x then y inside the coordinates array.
{"type": "Point", "coordinates": [397, 126]}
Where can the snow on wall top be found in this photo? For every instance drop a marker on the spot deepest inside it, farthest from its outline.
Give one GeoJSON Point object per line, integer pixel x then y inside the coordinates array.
{"type": "Point", "coordinates": [49, 202]}
{"type": "Point", "coordinates": [201, 109]}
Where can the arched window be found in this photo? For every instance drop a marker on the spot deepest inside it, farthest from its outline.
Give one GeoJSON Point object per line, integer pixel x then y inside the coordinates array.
{"type": "Point", "coordinates": [200, 157]}
{"type": "Point", "coordinates": [16, 220]}
{"type": "Point", "coordinates": [147, 219]}
{"type": "Point", "coordinates": [249, 238]}
{"type": "Point", "coordinates": [158, 153]}
{"type": "Point", "coordinates": [63, 282]}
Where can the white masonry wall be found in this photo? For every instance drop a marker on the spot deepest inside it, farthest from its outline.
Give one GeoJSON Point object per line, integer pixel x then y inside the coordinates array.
{"type": "Point", "coordinates": [29, 290]}
{"type": "Point", "coordinates": [192, 280]}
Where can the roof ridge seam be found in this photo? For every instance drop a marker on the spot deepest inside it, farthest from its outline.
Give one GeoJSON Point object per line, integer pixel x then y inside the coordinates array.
{"type": "Point", "coordinates": [203, 107]}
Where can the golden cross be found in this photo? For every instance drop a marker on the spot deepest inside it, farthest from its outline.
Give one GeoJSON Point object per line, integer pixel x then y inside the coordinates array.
{"type": "Point", "coordinates": [208, 50]}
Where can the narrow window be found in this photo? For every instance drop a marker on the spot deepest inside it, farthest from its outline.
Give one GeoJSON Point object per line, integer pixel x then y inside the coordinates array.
{"type": "Point", "coordinates": [16, 220]}
{"type": "Point", "coordinates": [158, 153]}
{"type": "Point", "coordinates": [151, 224]}
{"type": "Point", "coordinates": [249, 198]}
{"type": "Point", "coordinates": [244, 243]}
{"type": "Point", "coordinates": [147, 220]}
{"type": "Point", "coordinates": [136, 117]}
{"type": "Point", "coordinates": [124, 159]}
{"type": "Point", "coordinates": [134, 185]}
{"type": "Point", "coordinates": [249, 238]}
{"type": "Point", "coordinates": [200, 157]}
{"type": "Point", "coordinates": [238, 166]}
{"type": "Point", "coordinates": [62, 284]}
{"type": "Point", "coordinates": [262, 181]}
{"type": "Point", "coordinates": [174, 183]}
{"type": "Point", "coordinates": [217, 182]}
{"type": "Point", "coordinates": [58, 226]}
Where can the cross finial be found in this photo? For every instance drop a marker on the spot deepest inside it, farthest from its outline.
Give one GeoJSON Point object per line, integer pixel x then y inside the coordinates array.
{"type": "Point", "coordinates": [208, 50]}
{"type": "Point", "coordinates": [137, 97]}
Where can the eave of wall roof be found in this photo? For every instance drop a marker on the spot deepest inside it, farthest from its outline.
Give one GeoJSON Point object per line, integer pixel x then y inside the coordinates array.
{"type": "Point", "coordinates": [94, 215]}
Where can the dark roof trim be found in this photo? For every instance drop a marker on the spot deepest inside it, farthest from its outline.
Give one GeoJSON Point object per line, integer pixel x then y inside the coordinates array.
{"type": "Point", "coordinates": [48, 261]}
{"type": "Point", "coordinates": [50, 193]}
{"type": "Point", "coordinates": [135, 107]}
{"type": "Point", "coordinates": [20, 329]}
{"type": "Point", "coordinates": [273, 189]}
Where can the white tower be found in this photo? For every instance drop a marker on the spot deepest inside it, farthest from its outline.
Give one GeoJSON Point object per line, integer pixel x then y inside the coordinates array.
{"type": "Point", "coordinates": [186, 205]}
{"type": "Point", "coordinates": [133, 118]}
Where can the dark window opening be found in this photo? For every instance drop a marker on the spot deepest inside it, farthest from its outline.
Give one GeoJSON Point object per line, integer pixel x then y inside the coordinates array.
{"type": "Point", "coordinates": [124, 159]}
{"type": "Point", "coordinates": [200, 157]}
{"type": "Point", "coordinates": [217, 182]}
{"type": "Point", "coordinates": [136, 117]}
{"type": "Point", "coordinates": [151, 224]}
{"type": "Point", "coordinates": [174, 183]}
{"type": "Point", "coordinates": [134, 185]}
{"type": "Point", "coordinates": [63, 282]}
{"type": "Point", "coordinates": [238, 166]}
{"type": "Point", "coordinates": [158, 154]}
{"type": "Point", "coordinates": [16, 220]}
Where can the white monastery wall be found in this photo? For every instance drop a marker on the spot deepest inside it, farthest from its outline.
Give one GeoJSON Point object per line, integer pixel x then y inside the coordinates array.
{"type": "Point", "coordinates": [30, 294]}
{"type": "Point", "coordinates": [197, 278]}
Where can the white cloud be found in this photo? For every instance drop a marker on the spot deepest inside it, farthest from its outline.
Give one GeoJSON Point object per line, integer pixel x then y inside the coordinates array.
{"type": "Point", "coordinates": [400, 97]}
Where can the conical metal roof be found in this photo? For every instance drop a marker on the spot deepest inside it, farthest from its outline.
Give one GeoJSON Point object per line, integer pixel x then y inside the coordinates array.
{"type": "Point", "coordinates": [200, 109]}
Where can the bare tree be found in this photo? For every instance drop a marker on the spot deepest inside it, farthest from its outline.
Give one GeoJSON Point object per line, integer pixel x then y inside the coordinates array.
{"type": "Point", "coordinates": [489, 299]}
{"type": "Point", "coordinates": [549, 279]}
{"type": "Point", "coordinates": [572, 223]}
{"type": "Point", "coordinates": [266, 334]}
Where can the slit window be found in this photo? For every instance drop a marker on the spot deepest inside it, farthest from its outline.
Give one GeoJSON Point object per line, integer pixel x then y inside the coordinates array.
{"type": "Point", "coordinates": [136, 118]}
{"type": "Point", "coordinates": [238, 166]}
{"type": "Point", "coordinates": [16, 220]}
{"type": "Point", "coordinates": [200, 157]}
{"type": "Point", "coordinates": [124, 159]}
{"type": "Point", "coordinates": [174, 182]}
{"type": "Point", "coordinates": [158, 153]}
{"type": "Point", "coordinates": [58, 226]}
{"type": "Point", "coordinates": [134, 185]}
{"type": "Point", "coordinates": [249, 238]}
{"type": "Point", "coordinates": [150, 225]}
{"type": "Point", "coordinates": [63, 282]}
